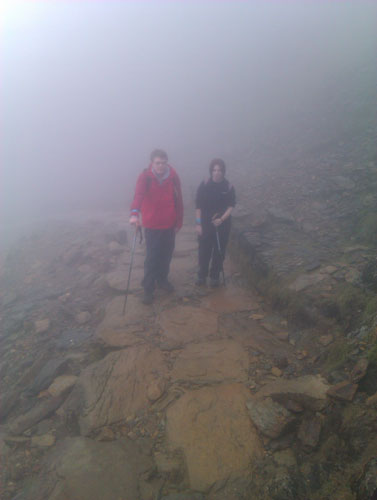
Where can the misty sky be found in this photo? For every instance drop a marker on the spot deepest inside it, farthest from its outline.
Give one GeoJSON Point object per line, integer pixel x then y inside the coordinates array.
{"type": "Point", "coordinates": [89, 88]}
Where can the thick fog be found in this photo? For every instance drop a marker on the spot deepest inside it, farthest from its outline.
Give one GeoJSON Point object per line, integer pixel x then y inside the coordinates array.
{"type": "Point", "coordinates": [90, 88]}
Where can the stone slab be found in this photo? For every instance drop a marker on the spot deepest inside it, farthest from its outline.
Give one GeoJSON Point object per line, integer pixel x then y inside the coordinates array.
{"type": "Point", "coordinates": [118, 329]}
{"type": "Point", "coordinates": [119, 386]}
{"type": "Point", "coordinates": [212, 427]}
{"type": "Point", "coordinates": [211, 362]}
{"type": "Point", "coordinates": [184, 324]}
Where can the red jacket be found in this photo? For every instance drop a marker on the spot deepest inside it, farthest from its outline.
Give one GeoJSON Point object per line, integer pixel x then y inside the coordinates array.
{"type": "Point", "coordinates": [161, 205]}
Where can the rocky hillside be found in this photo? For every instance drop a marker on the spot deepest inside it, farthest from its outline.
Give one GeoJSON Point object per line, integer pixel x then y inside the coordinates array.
{"type": "Point", "coordinates": [264, 389]}
{"type": "Point", "coordinates": [205, 395]}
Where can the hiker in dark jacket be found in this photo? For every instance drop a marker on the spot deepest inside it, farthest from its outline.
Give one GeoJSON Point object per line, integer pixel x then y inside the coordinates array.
{"type": "Point", "coordinates": [158, 207]}
{"type": "Point", "coordinates": [215, 200]}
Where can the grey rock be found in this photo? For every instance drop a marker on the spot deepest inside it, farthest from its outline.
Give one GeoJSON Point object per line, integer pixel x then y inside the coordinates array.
{"type": "Point", "coordinates": [281, 215]}
{"type": "Point", "coordinates": [51, 370]}
{"type": "Point", "coordinates": [43, 409]}
{"type": "Point", "coordinates": [285, 486]}
{"type": "Point", "coordinates": [309, 431]}
{"type": "Point", "coordinates": [83, 469]}
{"type": "Point", "coordinates": [270, 418]}
{"type": "Point", "coordinates": [360, 369]}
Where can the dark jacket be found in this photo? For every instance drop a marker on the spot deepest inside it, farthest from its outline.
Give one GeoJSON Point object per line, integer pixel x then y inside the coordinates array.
{"type": "Point", "coordinates": [214, 198]}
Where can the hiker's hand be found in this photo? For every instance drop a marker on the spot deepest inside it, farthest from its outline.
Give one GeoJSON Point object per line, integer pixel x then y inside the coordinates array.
{"type": "Point", "coordinates": [217, 222]}
{"type": "Point", "coordinates": [199, 229]}
{"type": "Point", "coordinates": [134, 220]}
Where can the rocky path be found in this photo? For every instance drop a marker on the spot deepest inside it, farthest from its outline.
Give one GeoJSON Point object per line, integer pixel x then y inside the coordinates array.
{"type": "Point", "coordinates": [206, 394]}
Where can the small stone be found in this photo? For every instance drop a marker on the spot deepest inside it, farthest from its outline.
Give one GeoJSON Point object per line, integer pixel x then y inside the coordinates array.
{"type": "Point", "coordinates": [43, 441]}
{"type": "Point", "coordinates": [329, 269]}
{"type": "Point", "coordinates": [61, 384]}
{"type": "Point", "coordinates": [155, 390]}
{"type": "Point", "coordinates": [282, 335]}
{"type": "Point", "coordinates": [325, 340]}
{"type": "Point", "coordinates": [42, 325]}
{"type": "Point", "coordinates": [352, 276]}
{"type": "Point", "coordinates": [292, 405]}
{"type": "Point", "coordinates": [343, 391]}
{"type": "Point", "coordinates": [360, 369]}
{"type": "Point", "coordinates": [83, 317]}
{"type": "Point", "coordinates": [372, 401]}
{"type": "Point", "coordinates": [256, 317]}
{"type": "Point", "coordinates": [276, 371]}
{"type": "Point", "coordinates": [106, 434]}
{"type": "Point", "coordinates": [64, 297]}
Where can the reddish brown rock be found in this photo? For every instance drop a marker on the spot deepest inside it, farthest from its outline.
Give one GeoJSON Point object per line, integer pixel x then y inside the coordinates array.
{"type": "Point", "coordinates": [118, 329]}
{"type": "Point", "coordinates": [214, 361]}
{"type": "Point", "coordinates": [212, 427]}
{"type": "Point", "coordinates": [182, 325]}
{"type": "Point", "coordinates": [117, 387]}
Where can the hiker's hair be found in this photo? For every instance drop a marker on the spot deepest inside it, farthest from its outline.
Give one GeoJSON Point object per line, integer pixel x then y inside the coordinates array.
{"type": "Point", "coordinates": [220, 163]}
{"type": "Point", "coordinates": [159, 153]}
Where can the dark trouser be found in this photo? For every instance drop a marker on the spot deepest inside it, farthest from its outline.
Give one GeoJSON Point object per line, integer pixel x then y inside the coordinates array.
{"type": "Point", "coordinates": [209, 252]}
{"type": "Point", "coordinates": [160, 246]}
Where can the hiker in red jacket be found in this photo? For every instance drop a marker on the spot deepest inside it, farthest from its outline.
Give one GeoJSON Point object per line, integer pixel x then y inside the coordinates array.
{"type": "Point", "coordinates": [158, 200]}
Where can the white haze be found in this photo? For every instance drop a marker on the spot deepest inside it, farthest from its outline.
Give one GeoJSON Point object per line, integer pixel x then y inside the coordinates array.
{"type": "Point", "coordinates": [89, 88]}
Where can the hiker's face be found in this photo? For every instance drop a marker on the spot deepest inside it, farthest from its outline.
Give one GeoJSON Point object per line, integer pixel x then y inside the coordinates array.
{"type": "Point", "coordinates": [159, 165]}
{"type": "Point", "coordinates": [217, 174]}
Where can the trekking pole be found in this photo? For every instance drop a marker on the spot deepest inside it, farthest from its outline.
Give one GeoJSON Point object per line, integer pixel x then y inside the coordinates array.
{"type": "Point", "coordinates": [220, 253]}
{"type": "Point", "coordinates": [137, 230]}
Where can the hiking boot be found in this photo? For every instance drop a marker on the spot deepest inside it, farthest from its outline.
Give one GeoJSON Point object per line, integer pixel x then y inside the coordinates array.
{"type": "Point", "coordinates": [214, 283]}
{"type": "Point", "coordinates": [167, 286]}
{"type": "Point", "coordinates": [147, 299]}
{"type": "Point", "coordinates": [200, 282]}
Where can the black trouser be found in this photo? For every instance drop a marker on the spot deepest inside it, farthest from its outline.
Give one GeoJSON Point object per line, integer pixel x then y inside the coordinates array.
{"type": "Point", "coordinates": [209, 252]}
{"type": "Point", "coordinates": [160, 246]}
